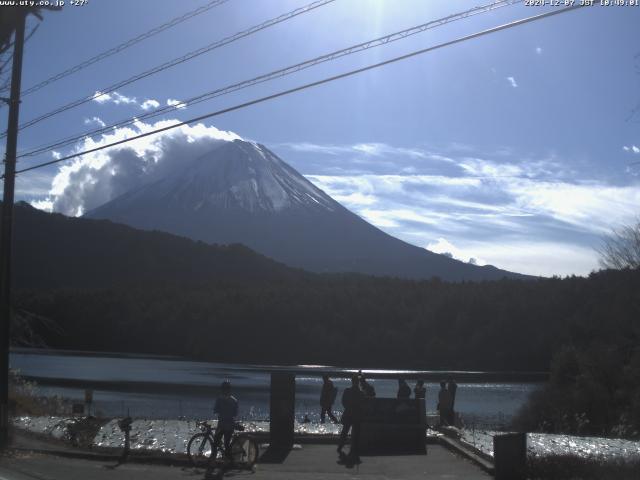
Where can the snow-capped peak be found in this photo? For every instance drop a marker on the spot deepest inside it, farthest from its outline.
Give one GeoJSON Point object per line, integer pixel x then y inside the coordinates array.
{"type": "Point", "coordinates": [244, 175]}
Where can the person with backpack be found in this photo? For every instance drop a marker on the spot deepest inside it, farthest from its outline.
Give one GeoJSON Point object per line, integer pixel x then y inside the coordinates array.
{"type": "Point", "coordinates": [328, 395]}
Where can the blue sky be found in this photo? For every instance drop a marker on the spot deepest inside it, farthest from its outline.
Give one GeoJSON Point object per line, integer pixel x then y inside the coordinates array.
{"type": "Point", "coordinates": [516, 149]}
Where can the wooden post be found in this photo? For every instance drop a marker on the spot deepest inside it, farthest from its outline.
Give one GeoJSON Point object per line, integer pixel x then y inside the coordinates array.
{"type": "Point", "coordinates": [282, 417]}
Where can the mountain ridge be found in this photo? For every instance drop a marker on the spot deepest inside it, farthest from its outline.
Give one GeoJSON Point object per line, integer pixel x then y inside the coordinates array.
{"type": "Point", "coordinates": [52, 250]}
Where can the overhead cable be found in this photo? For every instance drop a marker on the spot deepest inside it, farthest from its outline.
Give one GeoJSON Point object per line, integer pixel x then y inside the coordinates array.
{"type": "Point", "coordinates": [310, 85]}
{"type": "Point", "coordinates": [278, 73]}
{"type": "Point", "coordinates": [176, 61]}
{"type": "Point", "coordinates": [122, 46]}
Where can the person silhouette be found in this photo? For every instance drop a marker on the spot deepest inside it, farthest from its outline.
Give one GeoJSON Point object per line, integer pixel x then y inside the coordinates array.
{"type": "Point", "coordinates": [327, 397]}
{"type": "Point", "coordinates": [444, 404]}
{"type": "Point", "coordinates": [352, 399]}
{"type": "Point", "coordinates": [420, 390]}
{"type": "Point", "coordinates": [404, 391]}
{"type": "Point", "coordinates": [367, 389]}
{"type": "Point", "coordinates": [452, 387]}
{"type": "Point", "coordinates": [226, 407]}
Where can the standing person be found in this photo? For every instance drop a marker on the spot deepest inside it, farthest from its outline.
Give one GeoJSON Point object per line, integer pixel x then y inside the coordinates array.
{"type": "Point", "coordinates": [352, 400]}
{"type": "Point", "coordinates": [404, 391]}
{"type": "Point", "coordinates": [367, 389]}
{"type": "Point", "coordinates": [227, 409]}
{"type": "Point", "coordinates": [444, 404]}
{"type": "Point", "coordinates": [420, 390]}
{"type": "Point", "coordinates": [327, 397]}
{"type": "Point", "coordinates": [452, 386]}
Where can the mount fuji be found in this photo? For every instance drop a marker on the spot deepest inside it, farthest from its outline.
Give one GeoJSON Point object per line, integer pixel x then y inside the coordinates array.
{"type": "Point", "coordinates": [241, 192]}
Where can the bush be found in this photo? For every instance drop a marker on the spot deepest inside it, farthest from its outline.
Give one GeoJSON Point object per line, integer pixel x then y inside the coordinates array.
{"type": "Point", "coordinates": [592, 390]}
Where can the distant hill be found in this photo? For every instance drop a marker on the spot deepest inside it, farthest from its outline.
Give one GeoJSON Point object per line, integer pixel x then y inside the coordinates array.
{"type": "Point", "coordinates": [55, 251]}
{"type": "Point", "coordinates": [241, 192]}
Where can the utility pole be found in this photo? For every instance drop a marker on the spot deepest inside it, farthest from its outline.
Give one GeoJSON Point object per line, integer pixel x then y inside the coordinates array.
{"type": "Point", "coordinates": [7, 224]}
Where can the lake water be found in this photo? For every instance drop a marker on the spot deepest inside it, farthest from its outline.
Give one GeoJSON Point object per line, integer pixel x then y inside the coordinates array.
{"type": "Point", "coordinates": [170, 388]}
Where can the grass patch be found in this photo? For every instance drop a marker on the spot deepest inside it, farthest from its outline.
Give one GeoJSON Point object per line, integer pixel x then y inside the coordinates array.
{"type": "Point", "coordinates": [25, 400]}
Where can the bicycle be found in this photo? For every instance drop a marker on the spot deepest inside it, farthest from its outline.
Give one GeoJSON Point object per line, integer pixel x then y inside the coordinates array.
{"type": "Point", "coordinates": [244, 449]}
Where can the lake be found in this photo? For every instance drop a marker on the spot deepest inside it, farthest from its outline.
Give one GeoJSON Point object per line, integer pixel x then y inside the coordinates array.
{"type": "Point", "coordinates": [164, 387]}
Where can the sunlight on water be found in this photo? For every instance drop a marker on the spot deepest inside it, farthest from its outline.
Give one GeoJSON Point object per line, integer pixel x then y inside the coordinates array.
{"type": "Point", "coordinates": [179, 389]}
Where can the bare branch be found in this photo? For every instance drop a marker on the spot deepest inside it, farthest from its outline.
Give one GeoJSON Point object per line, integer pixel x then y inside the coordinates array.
{"type": "Point", "coordinates": [621, 249]}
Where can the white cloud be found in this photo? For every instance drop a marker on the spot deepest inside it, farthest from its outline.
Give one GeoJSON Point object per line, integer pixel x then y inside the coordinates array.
{"type": "Point", "coordinates": [371, 149]}
{"type": "Point", "coordinates": [176, 103]}
{"type": "Point", "coordinates": [96, 178]}
{"type": "Point", "coordinates": [444, 247]}
{"type": "Point", "coordinates": [100, 97]}
{"type": "Point", "coordinates": [539, 50]}
{"type": "Point", "coordinates": [94, 120]}
{"type": "Point", "coordinates": [635, 149]}
{"type": "Point", "coordinates": [537, 257]}
{"type": "Point", "coordinates": [355, 198]}
{"type": "Point", "coordinates": [113, 97]}
{"type": "Point", "coordinates": [479, 167]}
{"type": "Point", "coordinates": [46, 205]}
{"type": "Point", "coordinates": [590, 206]}
{"type": "Point", "coordinates": [512, 82]}
{"type": "Point", "coordinates": [119, 99]}
{"type": "Point", "coordinates": [149, 104]}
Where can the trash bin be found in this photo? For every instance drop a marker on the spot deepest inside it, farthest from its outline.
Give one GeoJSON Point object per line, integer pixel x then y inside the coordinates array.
{"type": "Point", "coordinates": [510, 456]}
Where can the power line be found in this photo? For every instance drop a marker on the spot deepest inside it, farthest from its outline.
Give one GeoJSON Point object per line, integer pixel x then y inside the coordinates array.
{"type": "Point", "coordinates": [176, 61]}
{"type": "Point", "coordinates": [311, 85]}
{"type": "Point", "coordinates": [123, 46]}
{"type": "Point", "coordinates": [281, 72]}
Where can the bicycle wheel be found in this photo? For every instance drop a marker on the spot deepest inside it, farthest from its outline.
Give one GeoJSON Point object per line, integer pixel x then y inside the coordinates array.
{"type": "Point", "coordinates": [199, 450]}
{"type": "Point", "coordinates": [244, 451]}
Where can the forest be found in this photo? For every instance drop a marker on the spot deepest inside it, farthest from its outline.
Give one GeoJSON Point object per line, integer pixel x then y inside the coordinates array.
{"type": "Point", "coordinates": [349, 320]}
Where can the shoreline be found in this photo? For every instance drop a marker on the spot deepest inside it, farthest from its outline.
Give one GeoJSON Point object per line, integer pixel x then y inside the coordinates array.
{"type": "Point", "coordinates": [466, 376]}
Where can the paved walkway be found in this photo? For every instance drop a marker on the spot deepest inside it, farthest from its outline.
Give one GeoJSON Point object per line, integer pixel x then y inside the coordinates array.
{"type": "Point", "coordinates": [308, 463]}
{"type": "Point", "coordinates": [320, 461]}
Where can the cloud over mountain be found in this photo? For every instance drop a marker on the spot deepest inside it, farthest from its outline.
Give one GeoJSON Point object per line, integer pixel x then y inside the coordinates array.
{"type": "Point", "coordinates": [98, 177]}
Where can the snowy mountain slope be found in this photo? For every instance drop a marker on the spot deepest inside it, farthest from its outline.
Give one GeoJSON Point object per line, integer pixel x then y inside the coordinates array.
{"type": "Point", "coordinates": [241, 192]}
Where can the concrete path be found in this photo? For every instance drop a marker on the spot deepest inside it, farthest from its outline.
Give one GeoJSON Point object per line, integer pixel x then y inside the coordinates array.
{"type": "Point", "coordinates": [311, 462]}
{"type": "Point", "coordinates": [321, 461]}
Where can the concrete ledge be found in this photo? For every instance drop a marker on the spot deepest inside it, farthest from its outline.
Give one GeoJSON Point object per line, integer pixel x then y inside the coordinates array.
{"type": "Point", "coordinates": [468, 453]}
